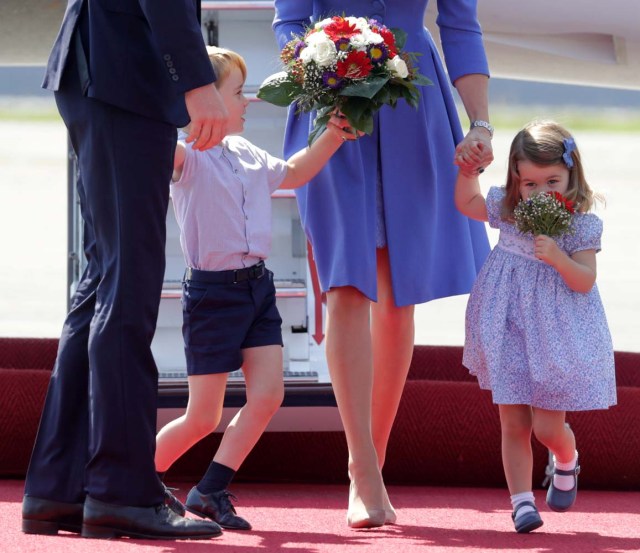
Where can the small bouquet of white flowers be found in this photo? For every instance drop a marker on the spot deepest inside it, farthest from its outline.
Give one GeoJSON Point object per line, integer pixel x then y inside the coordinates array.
{"type": "Point", "coordinates": [548, 213]}
{"type": "Point", "coordinates": [351, 64]}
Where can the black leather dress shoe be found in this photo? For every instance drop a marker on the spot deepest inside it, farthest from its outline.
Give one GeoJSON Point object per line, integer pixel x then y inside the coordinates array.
{"type": "Point", "coordinates": [105, 520]}
{"type": "Point", "coordinates": [172, 501]}
{"type": "Point", "coordinates": [218, 507]}
{"type": "Point", "coordinates": [44, 516]}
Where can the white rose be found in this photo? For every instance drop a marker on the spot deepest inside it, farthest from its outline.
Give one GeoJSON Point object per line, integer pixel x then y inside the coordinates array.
{"type": "Point", "coordinates": [306, 54]}
{"type": "Point", "coordinates": [315, 38]}
{"type": "Point", "coordinates": [398, 67]}
{"type": "Point", "coordinates": [321, 48]}
{"type": "Point", "coordinates": [325, 53]}
{"type": "Point", "coordinates": [358, 42]}
{"type": "Point", "coordinates": [371, 37]}
{"type": "Point", "coordinates": [322, 24]}
{"type": "Point", "coordinates": [360, 23]}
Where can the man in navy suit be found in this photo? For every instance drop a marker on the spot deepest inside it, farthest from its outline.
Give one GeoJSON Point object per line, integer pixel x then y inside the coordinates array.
{"type": "Point", "coordinates": [125, 73]}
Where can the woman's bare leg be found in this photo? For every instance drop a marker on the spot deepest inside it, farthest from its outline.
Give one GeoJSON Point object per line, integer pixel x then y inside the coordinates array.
{"type": "Point", "coordinates": [393, 334]}
{"type": "Point", "coordinates": [350, 363]}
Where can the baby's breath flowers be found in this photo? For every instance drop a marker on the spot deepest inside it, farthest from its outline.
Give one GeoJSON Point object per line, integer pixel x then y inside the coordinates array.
{"type": "Point", "coordinates": [351, 64]}
{"type": "Point", "coordinates": [548, 213]}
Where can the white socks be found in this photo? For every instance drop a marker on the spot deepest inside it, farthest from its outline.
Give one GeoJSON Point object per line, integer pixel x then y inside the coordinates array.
{"type": "Point", "coordinates": [561, 482]}
{"type": "Point", "coordinates": [517, 499]}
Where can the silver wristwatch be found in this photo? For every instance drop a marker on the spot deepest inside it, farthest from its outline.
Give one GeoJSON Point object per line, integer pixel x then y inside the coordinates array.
{"type": "Point", "coordinates": [484, 124]}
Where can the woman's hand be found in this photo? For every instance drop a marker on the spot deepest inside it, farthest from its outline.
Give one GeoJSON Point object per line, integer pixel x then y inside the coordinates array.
{"type": "Point", "coordinates": [475, 152]}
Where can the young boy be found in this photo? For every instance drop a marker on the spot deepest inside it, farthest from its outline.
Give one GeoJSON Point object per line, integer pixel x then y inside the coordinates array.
{"type": "Point", "coordinates": [222, 201]}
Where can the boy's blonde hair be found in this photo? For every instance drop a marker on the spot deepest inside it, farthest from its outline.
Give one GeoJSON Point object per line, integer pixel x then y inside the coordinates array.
{"type": "Point", "coordinates": [542, 143]}
{"type": "Point", "coordinates": [223, 61]}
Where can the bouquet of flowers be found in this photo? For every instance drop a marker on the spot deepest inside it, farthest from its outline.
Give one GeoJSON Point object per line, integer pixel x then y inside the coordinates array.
{"type": "Point", "coordinates": [351, 64]}
{"type": "Point", "coordinates": [548, 213]}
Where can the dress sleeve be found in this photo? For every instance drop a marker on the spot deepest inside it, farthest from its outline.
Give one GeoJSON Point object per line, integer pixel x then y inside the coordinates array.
{"type": "Point", "coordinates": [587, 234]}
{"type": "Point", "coordinates": [291, 18]}
{"type": "Point", "coordinates": [494, 205]}
{"type": "Point", "coordinates": [461, 38]}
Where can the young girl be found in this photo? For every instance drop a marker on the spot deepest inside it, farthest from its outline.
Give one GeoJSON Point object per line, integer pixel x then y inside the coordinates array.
{"type": "Point", "coordinates": [536, 332]}
{"type": "Point", "coordinates": [222, 200]}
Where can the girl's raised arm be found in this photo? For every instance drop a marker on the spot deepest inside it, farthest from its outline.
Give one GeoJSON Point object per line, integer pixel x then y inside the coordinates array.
{"type": "Point", "coordinates": [468, 198]}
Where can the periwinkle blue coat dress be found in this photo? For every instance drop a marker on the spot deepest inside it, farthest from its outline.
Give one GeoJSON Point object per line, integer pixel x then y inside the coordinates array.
{"type": "Point", "coordinates": [434, 251]}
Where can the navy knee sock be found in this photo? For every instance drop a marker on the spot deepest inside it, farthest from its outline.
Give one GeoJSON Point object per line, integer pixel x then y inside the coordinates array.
{"type": "Point", "coordinates": [217, 478]}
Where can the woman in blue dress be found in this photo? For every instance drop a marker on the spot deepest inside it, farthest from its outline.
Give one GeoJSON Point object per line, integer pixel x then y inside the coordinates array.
{"type": "Point", "coordinates": [383, 226]}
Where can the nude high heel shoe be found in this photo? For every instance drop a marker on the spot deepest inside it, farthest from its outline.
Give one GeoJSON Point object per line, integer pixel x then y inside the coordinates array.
{"type": "Point", "coordinates": [390, 516]}
{"type": "Point", "coordinates": [358, 514]}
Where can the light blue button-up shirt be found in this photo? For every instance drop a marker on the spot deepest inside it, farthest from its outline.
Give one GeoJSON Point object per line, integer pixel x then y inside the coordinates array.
{"type": "Point", "coordinates": [222, 203]}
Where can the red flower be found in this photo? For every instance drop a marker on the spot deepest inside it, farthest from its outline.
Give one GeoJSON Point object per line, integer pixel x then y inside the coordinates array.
{"type": "Point", "coordinates": [355, 66]}
{"type": "Point", "coordinates": [567, 204]}
{"type": "Point", "coordinates": [340, 28]}
{"type": "Point", "coordinates": [389, 40]}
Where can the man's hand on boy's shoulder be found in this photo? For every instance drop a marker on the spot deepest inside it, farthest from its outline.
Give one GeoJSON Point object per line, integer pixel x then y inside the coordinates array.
{"type": "Point", "coordinates": [208, 116]}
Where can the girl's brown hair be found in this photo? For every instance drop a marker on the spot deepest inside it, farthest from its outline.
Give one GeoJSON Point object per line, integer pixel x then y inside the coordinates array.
{"type": "Point", "coordinates": [542, 143]}
{"type": "Point", "coordinates": [223, 61]}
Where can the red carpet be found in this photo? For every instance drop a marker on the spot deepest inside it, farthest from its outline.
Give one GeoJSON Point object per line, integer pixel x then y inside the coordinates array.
{"type": "Point", "coordinates": [310, 519]}
{"type": "Point", "coordinates": [447, 432]}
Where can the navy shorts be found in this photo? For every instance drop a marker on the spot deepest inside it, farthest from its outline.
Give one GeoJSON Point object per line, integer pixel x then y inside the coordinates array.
{"type": "Point", "coordinates": [222, 317]}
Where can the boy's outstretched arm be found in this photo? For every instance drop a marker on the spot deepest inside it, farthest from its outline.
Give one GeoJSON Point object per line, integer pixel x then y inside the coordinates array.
{"type": "Point", "coordinates": [468, 198]}
{"type": "Point", "coordinates": [178, 161]}
{"type": "Point", "coordinates": [305, 164]}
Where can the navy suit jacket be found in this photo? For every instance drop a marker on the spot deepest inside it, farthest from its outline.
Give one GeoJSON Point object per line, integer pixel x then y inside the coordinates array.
{"type": "Point", "coordinates": [142, 55]}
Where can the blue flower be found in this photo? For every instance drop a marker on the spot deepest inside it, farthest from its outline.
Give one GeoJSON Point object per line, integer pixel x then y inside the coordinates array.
{"type": "Point", "coordinates": [342, 44]}
{"type": "Point", "coordinates": [299, 47]}
{"type": "Point", "coordinates": [330, 79]}
{"type": "Point", "coordinates": [378, 53]}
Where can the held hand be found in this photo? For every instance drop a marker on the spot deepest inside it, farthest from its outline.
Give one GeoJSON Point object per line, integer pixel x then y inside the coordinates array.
{"type": "Point", "coordinates": [546, 249]}
{"type": "Point", "coordinates": [474, 153]}
{"type": "Point", "coordinates": [339, 127]}
{"type": "Point", "coordinates": [208, 117]}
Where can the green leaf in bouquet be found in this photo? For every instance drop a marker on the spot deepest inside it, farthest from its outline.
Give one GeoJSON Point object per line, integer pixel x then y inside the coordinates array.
{"type": "Point", "coordinates": [362, 123]}
{"type": "Point", "coordinates": [365, 89]}
{"type": "Point", "coordinates": [400, 36]}
{"type": "Point", "coordinates": [279, 90]}
{"type": "Point", "coordinates": [421, 80]}
{"type": "Point", "coordinates": [411, 96]}
{"type": "Point", "coordinates": [320, 123]}
{"type": "Point", "coordinates": [384, 96]}
{"type": "Point", "coordinates": [318, 129]}
{"type": "Point", "coordinates": [354, 108]}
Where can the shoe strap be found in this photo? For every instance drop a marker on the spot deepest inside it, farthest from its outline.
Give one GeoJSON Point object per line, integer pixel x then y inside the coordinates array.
{"type": "Point", "coordinates": [524, 504]}
{"type": "Point", "coordinates": [572, 472]}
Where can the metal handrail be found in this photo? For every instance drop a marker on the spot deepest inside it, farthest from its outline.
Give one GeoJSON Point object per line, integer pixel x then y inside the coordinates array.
{"type": "Point", "coordinates": [236, 5]}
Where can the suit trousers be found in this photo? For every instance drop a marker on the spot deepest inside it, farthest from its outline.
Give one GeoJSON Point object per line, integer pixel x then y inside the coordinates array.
{"type": "Point", "coordinates": [97, 431]}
